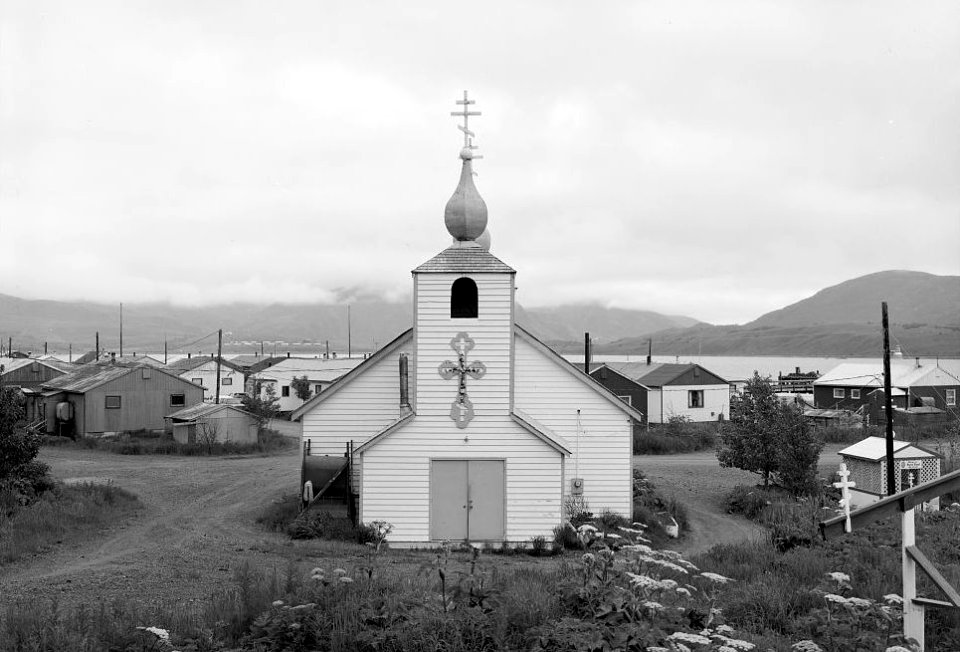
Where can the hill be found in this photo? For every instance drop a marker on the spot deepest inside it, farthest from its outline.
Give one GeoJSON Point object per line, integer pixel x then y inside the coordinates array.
{"type": "Point", "coordinates": [912, 297]}
{"type": "Point", "coordinates": [842, 320]}
{"type": "Point", "coordinates": [372, 322]}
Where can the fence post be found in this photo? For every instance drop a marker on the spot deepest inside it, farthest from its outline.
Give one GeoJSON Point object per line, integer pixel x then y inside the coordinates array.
{"type": "Point", "coordinates": [912, 612]}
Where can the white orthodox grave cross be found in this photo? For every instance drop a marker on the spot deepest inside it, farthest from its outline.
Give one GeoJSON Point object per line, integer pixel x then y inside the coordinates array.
{"type": "Point", "coordinates": [844, 487]}
{"type": "Point", "coordinates": [465, 127]}
{"type": "Point", "coordinates": [461, 410]}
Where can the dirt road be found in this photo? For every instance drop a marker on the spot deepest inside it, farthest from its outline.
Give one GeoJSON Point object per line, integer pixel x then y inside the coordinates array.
{"type": "Point", "coordinates": [701, 484]}
{"type": "Point", "coordinates": [196, 527]}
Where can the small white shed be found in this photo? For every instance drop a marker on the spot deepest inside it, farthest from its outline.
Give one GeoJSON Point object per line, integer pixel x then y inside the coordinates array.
{"type": "Point", "coordinates": [867, 463]}
{"type": "Point", "coordinates": [209, 422]}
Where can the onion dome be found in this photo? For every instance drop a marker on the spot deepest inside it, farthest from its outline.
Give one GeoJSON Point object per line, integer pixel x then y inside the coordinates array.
{"type": "Point", "coordinates": [484, 240]}
{"type": "Point", "coordinates": [466, 212]}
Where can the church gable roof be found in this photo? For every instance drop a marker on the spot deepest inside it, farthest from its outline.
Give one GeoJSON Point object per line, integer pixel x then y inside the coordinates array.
{"type": "Point", "coordinates": [354, 373]}
{"type": "Point", "coordinates": [570, 368]}
{"type": "Point", "coordinates": [464, 258]}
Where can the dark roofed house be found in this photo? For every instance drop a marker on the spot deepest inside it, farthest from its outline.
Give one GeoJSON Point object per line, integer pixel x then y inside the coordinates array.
{"type": "Point", "coordinates": [30, 373]}
{"type": "Point", "coordinates": [99, 399]}
{"type": "Point", "coordinates": [662, 390]}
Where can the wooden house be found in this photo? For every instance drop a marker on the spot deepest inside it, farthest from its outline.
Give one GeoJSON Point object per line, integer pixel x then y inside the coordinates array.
{"type": "Point", "coordinates": [662, 390]}
{"type": "Point", "coordinates": [102, 399]}
{"type": "Point", "coordinates": [202, 370]}
{"type": "Point", "coordinates": [31, 373]}
{"type": "Point", "coordinates": [320, 374]}
{"type": "Point", "coordinates": [467, 427]}
{"type": "Point", "coordinates": [914, 383]}
{"type": "Point", "coordinates": [867, 462]}
{"type": "Point", "coordinates": [210, 422]}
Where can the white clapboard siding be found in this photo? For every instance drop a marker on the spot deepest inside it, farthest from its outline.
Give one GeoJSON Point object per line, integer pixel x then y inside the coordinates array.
{"type": "Point", "coordinates": [358, 410]}
{"type": "Point", "coordinates": [549, 393]}
{"type": "Point", "coordinates": [716, 401]}
{"type": "Point", "coordinates": [396, 475]}
{"type": "Point", "coordinates": [491, 331]}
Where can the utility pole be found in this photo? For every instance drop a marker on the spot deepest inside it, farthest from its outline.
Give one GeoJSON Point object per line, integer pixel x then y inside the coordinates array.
{"type": "Point", "coordinates": [121, 329]}
{"type": "Point", "coordinates": [348, 332]}
{"type": "Point", "coordinates": [586, 353]}
{"type": "Point", "coordinates": [888, 402]}
{"type": "Point", "coordinates": [70, 354]}
{"type": "Point", "coordinates": [10, 346]}
{"type": "Point", "coordinates": [44, 348]}
{"type": "Point", "coordinates": [261, 348]}
{"type": "Point", "coordinates": [96, 354]}
{"type": "Point", "coordinates": [216, 400]}
{"type": "Point", "coordinates": [164, 350]}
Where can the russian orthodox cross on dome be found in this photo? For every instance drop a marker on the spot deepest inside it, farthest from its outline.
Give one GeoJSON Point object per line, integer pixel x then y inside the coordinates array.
{"type": "Point", "coordinates": [466, 213]}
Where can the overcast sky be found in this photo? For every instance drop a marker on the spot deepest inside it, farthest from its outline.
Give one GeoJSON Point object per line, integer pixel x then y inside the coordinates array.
{"type": "Point", "coordinates": [712, 159]}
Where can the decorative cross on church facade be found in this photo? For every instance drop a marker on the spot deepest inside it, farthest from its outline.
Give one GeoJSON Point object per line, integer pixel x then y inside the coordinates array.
{"type": "Point", "coordinates": [461, 410]}
{"type": "Point", "coordinates": [844, 486]}
{"type": "Point", "coordinates": [465, 127]}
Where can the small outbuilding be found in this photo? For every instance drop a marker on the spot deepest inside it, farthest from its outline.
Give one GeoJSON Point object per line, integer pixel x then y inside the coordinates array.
{"type": "Point", "coordinates": [209, 423]}
{"type": "Point", "coordinates": [867, 462]}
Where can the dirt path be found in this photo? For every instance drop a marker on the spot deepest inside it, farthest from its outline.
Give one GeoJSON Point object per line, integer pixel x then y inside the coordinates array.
{"type": "Point", "coordinates": [698, 481]}
{"type": "Point", "coordinates": [196, 526]}
{"type": "Point", "coordinates": [701, 484]}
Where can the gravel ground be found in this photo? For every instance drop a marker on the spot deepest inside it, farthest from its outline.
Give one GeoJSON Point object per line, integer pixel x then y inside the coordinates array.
{"type": "Point", "coordinates": [197, 525]}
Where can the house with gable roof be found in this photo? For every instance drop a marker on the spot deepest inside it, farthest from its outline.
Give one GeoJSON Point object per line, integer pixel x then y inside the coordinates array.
{"type": "Point", "coordinates": [98, 399]}
{"type": "Point", "coordinates": [467, 427]}
{"type": "Point", "coordinates": [663, 390]}
{"type": "Point", "coordinates": [202, 370]}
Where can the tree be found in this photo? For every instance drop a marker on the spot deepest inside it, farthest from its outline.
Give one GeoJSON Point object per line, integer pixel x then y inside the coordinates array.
{"type": "Point", "coordinates": [263, 407]}
{"type": "Point", "coordinates": [770, 438]}
{"type": "Point", "coordinates": [301, 387]}
{"type": "Point", "coordinates": [208, 430]}
{"type": "Point", "coordinates": [19, 447]}
{"type": "Point", "coordinates": [750, 438]}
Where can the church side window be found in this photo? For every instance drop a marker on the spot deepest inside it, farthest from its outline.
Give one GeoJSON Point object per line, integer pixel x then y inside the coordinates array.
{"type": "Point", "coordinates": [463, 299]}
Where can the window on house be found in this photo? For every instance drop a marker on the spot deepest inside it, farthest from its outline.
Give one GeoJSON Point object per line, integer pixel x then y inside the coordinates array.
{"type": "Point", "coordinates": [198, 381]}
{"type": "Point", "coordinates": [285, 390]}
{"type": "Point", "coordinates": [178, 400]}
{"type": "Point", "coordinates": [112, 402]}
{"type": "Point", "coordinates": [145, 373]}
{"type": "Point", "coordinates": [951, 397]}
{"type": "Point", "coordinates": [838, 392]}
{"type": "Point", "coordinates": [695, 398]}
{"type": "Point", "coordinates": [626, 399]}
{"type": "Point", "coordinates": [854, 393]}
{"type": "Point", "coordinates": [226, 381]}
{"type": "Point", "coordinates": [463, 299]}
{"type": "Point", "coordinates": [317, 388]}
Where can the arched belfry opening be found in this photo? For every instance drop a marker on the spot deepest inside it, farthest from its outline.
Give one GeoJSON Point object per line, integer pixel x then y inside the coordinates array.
{"type": "Point", "coordinates": [463, 299]}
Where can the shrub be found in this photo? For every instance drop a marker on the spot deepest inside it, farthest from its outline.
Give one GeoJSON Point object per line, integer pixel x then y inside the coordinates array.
{"type": "Point", "coordinates": [565, 537]}
{"type": "Point", "coordinates": [678, 435]}
{"type": "Point", "coordinates": [538, 546]}
{"type": "Point", "coordinates": [747, 501]}
{"type": "Point", "coordinates": [280, 513]}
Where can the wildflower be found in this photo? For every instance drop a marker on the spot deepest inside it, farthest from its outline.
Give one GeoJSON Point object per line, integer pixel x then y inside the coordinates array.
{"type": "Point", "coordinates": [724, 629]}
{"type": "Point", "coordinates": [734, 643]}
{"type": "Point", "coordinates": [611, 535]}
{"type": "Point", "coordinates": [833, 597]}
{"type": "Point", "coordinates": [302, 607]}
{"type": "Point", "coordinates": [586, 527]}
{"type": "Point", "coordinates": [278, 603]}
{"type": "Point", "coordinates": [630, 530]}
{"type": "Point", "coordinates": [638, 547]}
{"type": "Point", "coordinates": [715, 577]}
{"type": "Point", "coordinates": [689, 638]}
{"type": "Point", "coordinates": [805, 646]}
{"type": "Point", "coordinates": [317, 571]}
{"type": "Point", "coordinates": [892, 598]}
{"type": "Point", "coordinates": [859, 602]}
{"type": "Point", "coordinates": [588, 558]}
{"type": "Point", "coordinates": [294, 625]}
{"type": "Point", "coordinates": [653, 605]}
{"type": "Point", "coordinates": [683, 591]}
{"type": "Point", "coordinates": [669, 584]}
{"type": "Point", "coordinates": [726, 648]}
{"type": "Point", "coordinates": [339, 571]}
{"type": "Point", "coordinates": [657, 648]}
{"type": "Point", "coordinates": [346, 580]}
{"type": "Point", "coordinates": [897, 648]}
{"type": "Point", "coordinates": [161, 634]}
{"type": "Point", "coordinates": [838, 577]}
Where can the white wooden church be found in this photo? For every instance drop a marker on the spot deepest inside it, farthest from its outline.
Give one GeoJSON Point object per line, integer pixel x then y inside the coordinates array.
{"type": "Point", "coordinates": [490, 431]}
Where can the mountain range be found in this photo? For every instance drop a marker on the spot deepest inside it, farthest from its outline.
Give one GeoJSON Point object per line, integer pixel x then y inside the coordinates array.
{"type": "Point", "coordinates": [840, 320]}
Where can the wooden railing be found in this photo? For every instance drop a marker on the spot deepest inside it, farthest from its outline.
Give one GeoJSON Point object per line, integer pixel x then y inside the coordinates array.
{"type": "Point", "coordinates": [905, 503]}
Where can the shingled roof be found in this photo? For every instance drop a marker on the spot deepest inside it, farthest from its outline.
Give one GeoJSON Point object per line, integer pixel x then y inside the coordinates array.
{"type": "Point", "coordinates": [186, 364]}
{"type": "Point", "coordinates": [465, 258]}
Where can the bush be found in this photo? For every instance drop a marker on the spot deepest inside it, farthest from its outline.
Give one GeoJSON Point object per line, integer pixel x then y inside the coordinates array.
{"type": "Point", "coordinates": [159, 443]}
{"type": "Point", "coordinates": [651, 508]}
{"type": "Point", "coordinates": [747, 501]}
{"type": "Point", "coordinates": [280, 514]}
{"type": "Point", "coordinates": [565, 537]}
{"type": "Point", "coordinates": [678, 435]}
{"type": "Point", "coordinates": [323, 525]}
